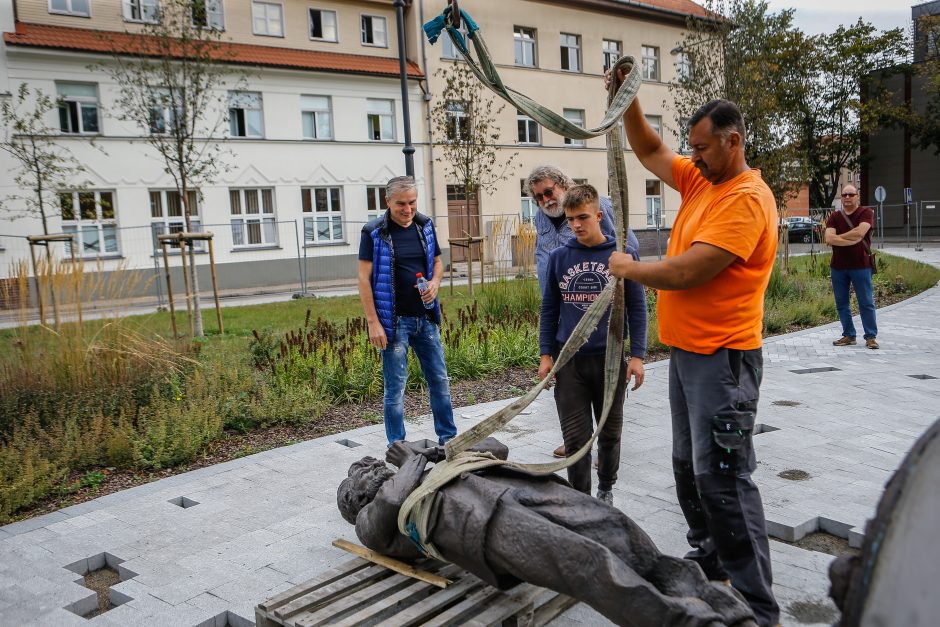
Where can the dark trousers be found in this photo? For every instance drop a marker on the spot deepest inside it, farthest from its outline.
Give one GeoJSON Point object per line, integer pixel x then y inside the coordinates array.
{"type": "Point", "coordinates": [713, 399]}
{"type": "Point", "coordinates": [579, 390]}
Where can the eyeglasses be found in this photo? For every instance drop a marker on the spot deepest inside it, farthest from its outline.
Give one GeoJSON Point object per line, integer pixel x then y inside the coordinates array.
{"type": "Point", "coordinates": [548, 193]}
{"type": "Point", "coordinates": [849, 195]}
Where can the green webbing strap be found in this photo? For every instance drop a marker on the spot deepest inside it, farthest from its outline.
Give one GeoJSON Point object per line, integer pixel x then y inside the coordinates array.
{"type": "Point", "coordinates": [619, 99]}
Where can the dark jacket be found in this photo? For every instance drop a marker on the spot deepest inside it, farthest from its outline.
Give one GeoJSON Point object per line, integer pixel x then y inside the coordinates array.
{"type": "Point", "coordinates": [383, 263]}
{"type": "Point", "coordinates": [575, 275]}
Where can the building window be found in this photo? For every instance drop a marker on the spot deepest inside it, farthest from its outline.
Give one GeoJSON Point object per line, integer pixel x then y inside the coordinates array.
{"type": "Point", "coordinates": [529, 206]}
{"type": "Point", "coordinates": [245, 115]}
{"type": "Point", "coordinates": [323, 25]}
{"type": "Point", "coordinates": [571, 52]}
{"type": "Point", "coordinates": [326, 205]}
{"type": "Point", "coordinates": [576, 117]}
{"type": "Point", "coordinates": [449, 50]}
{"type": "Point", "coordinates": [650, 65]}
{"type": "Point", "coordinates": [208, 14]}
{"type": "Point", "coordinates": [528, 129]}
{"type": "Point", "coordinates": [684, 147]}
{"type": "Point", "coordinates": [525, 50]}
{"type": "Point", "coordinates": [78, 107]}
{"type": "Point", "coordinates": [267, 19]}
{"type": "Point", "coordinates": [78, 8]}
{"type": "Point", "coordinates": [375, 205]}
{"type": "Point", "coordinates": [141, 10]}
{"type": "Point", "coordinates": [253, 221]}
{"type": "Point", "coordinates": [163, 112]}
{"type": "Point", "coordinates": [683, 67]}
{"type": "Point", "coordinates": [89, 217]}
{"type": "Point", "coordinates": [458, 122]}
{"type": "Point", "coordinates": [316, 117]}
{"type": "Point", "coordinates": [381, 120]}
{"type": "Point", "coordinates": [374, 31]}
{"type": "Point", "coordinates": [654, 203]}
{"type": "Point", "coordinates": [612, 52]}
{"type": "Point", "coordinates": [656, 121]}
{"type": "Point", "coordinates": [166, 215]}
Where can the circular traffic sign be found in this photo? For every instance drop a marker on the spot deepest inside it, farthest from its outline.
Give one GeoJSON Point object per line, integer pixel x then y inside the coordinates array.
{"type": "Point", "coordinates": [880, 194]}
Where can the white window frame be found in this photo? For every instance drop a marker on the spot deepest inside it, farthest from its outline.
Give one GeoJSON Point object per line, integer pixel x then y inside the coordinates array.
{"type": "Point", "coordinates": [324, 210]}
{"type": "Point", "coordinates": [684, 147]}
{"type": "Point", "coordinates": [575, 116]}
{"type": "Point", "coordinates": [457, 119]}
{"type": "Point", "coordinates": [526, 131]}
{"type": "Point", "coordinates": [78, 104]}
{"type": "Point", "coordinates": [654, 204]}
{"type": "Point", "coordinates": [375, 201]}
{"type": "Point", "coordinates": [656, 121]}
{"type": "Point", "coordinates": [322, 12]}
{"type": "Point", "coordinates": [71, 10]}
{"type": "Point", "coordinates": [684, 67]}
{"type": "Point", "coordinates": [379, 115]}
{"type": "Point", "coordinates": [261, 223]}
{"type": "Point", "coordinates": [162, 222]}
{"type": "Point", "coordinates": [650, 62]}
{"type": "Point", "coordinates": [260, 11]}
{"type": "Point", "coordinates": [611, 52]}
{"type": "Point", "coordinates": [148, 11]}
{"type": "Point", "coordinates": [570, 52]}
{"type": "Point", "coordinates": [99, 225]}
{"type": "Point", "coordinates": [322, 117]}
{"type": "Point", "coordinates": [215, 16]}
{"type": "Point", "coordinates": [371, 32]}
{"type": "Point", "coordinates": [240, 105]}
{"type": "Point", "coordinates": [525, 38]}
{"type": "Point", "coordinates": [448, 49]}
{"type": "Point", "coordinates": [527, 205]}
{"type": "Point", "coordinates": [163, 113]}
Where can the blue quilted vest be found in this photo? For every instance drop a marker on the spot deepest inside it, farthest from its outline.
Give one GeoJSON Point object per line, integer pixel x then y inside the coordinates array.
{"type": "Point", "coordinates": [383, 260]}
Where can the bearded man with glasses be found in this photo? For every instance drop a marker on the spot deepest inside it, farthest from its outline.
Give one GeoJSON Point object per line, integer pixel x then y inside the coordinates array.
{"type": "Point", "coordinates": [547, 185]}
{"type": "Point", "coordinates": [848, 232]}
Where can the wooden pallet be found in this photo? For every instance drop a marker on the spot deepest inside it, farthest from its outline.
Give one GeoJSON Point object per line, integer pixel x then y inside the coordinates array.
{"type": "Point", "coordinates": [360, 592]}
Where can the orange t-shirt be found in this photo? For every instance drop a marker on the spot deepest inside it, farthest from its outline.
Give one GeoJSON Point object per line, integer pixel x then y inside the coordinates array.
{"type": "Point", "coordinates": [739, 216]}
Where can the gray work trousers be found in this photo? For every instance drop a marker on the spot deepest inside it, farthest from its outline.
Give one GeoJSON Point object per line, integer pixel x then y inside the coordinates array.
{"type": "Point", "coordinates": [713, 399]}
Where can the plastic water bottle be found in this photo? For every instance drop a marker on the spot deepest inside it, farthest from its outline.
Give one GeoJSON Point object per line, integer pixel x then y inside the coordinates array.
{"type": "Point", "coordinates": [422, 284]}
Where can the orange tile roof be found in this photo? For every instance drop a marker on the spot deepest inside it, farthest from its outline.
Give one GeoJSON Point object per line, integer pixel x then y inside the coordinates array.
{"type": "Point", "coordinates": [87, 40]}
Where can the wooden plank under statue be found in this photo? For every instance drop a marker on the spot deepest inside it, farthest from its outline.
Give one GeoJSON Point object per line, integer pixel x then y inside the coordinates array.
{"type": "Point", "coordinates": [388, 592]}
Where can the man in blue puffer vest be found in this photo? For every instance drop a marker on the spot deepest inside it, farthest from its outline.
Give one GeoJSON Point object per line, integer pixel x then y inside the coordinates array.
{"type": "Point", "coordinates": [393, 249]}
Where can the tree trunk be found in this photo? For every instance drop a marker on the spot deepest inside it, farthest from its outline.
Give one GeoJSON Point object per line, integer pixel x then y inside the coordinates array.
{"type": "Point", "coordinates": [193, 275]}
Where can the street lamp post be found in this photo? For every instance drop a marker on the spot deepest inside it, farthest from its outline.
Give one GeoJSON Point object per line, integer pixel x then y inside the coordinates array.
{"type": "Point", "coordinates": [408, 150]}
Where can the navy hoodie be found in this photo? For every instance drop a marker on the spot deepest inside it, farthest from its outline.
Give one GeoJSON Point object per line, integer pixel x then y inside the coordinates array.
{"type": "Point", "coordinates": [576, 275]}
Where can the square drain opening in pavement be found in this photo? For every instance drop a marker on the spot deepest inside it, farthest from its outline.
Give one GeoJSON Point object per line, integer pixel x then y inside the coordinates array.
{"type": "Point", "coordinates": [762, 428]}
{"type": "Point", "coordinates": [226, 619]}
{"type": "Point", "coordinates": [98, 574]}
{"type": "Point", "coordinates": [815, 370]}
{"type": "Point", "coordinates": [921, 376]}
{"type": "Point", "coordinates": [183, 502]}
{"type": "Point", "coordinates": [348, 443]}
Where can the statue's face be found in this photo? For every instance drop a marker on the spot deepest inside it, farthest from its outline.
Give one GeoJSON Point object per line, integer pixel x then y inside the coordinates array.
{"type": "Point", "coordinates": [364, 479]}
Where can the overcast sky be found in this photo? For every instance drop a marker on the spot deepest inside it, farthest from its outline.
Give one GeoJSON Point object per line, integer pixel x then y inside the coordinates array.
{"type": "Point", "coordinates": [824, 16]}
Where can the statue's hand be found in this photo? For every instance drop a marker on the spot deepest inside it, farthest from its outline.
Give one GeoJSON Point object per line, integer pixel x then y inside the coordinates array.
{"type": "Point", "coordinates": [400, 452]}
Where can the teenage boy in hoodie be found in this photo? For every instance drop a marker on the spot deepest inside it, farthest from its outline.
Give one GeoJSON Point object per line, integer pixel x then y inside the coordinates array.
{"type": "Point", "coordinates": [577, 272]}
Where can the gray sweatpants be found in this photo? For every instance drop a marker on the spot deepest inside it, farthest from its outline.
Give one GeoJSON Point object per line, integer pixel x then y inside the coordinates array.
{"type": "Point", "coordinates": [713, 399]}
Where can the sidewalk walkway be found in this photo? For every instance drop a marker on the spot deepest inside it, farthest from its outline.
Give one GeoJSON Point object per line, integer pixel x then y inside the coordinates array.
{"type": "Point", "coordinates": [203, 548]}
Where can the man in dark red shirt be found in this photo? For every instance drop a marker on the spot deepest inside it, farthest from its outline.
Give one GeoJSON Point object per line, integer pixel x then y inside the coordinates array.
{"type": "Point", "coordinates": [848, 232]}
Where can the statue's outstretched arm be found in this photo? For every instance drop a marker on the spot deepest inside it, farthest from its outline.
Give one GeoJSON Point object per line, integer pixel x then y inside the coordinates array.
{"type": "Point", "coordinates": [377, 523]}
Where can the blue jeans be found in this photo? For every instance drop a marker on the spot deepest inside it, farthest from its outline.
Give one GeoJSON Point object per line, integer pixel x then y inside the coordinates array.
{"type": "Point", "coordinates": [861, 280]}
{"type": "Point", "coordinates": [425, 340]}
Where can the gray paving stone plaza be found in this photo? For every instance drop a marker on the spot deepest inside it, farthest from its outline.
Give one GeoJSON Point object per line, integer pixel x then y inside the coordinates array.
{"type": "Point", "coordinates": [203, 548]}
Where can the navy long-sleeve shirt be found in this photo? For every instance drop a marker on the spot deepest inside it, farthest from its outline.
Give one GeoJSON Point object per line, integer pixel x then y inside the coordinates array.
{"type": "Point", "coordinates": [575, 276]}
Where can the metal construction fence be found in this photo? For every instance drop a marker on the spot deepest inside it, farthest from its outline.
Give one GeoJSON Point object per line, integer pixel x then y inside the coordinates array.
{"type": "Point", "coordinates": [909, 225]}
{"type": "Point", "coordinates": [252, 255]}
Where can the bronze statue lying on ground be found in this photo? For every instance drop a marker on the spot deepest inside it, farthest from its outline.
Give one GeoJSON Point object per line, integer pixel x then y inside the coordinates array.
{"type": "Point", "coordinates": [506, 526]}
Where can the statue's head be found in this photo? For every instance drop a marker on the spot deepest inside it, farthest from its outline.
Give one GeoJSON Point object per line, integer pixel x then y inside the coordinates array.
{"type": "Point", "coordinates": [357, 490]}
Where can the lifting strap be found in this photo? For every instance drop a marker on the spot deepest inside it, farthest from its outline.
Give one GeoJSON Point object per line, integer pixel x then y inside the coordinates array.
{"type": "Point", "coordinates": [414, 515]}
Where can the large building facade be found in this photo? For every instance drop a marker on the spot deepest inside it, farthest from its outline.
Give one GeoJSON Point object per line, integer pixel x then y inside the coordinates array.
{"type": "Point", "coordinates": [318, 128]}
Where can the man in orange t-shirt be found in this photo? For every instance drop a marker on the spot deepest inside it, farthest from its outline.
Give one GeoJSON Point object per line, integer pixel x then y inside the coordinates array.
{"type": "Point", "coordinates": [710, 306]}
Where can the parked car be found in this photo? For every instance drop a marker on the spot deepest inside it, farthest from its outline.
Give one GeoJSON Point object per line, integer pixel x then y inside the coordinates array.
{"type": "Point", "coordinates": [802, 229]}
